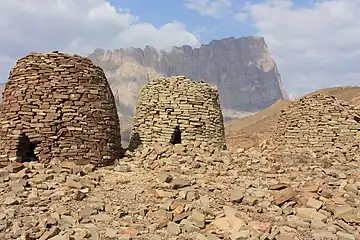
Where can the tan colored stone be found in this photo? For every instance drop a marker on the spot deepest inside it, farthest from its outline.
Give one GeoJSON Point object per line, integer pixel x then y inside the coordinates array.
{"type": "Point", "coordinates": [309, 213]}
{"type": "Point", "coordinates": [41, 96]}
{"type": "Point", "coordinates": [166, 103]}
{"type": "Point", "coordinates": [313, 203]}
{"type": "Point", "coordinates": [229, 223]}
{"type": "Point", "coordinates": [283, 195]}
{"type": "Point", "coordinates": [321, 123]}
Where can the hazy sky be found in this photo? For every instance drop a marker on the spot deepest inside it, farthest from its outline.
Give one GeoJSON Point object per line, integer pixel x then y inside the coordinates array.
{"type": "Point", "coordinates": [315, 43]}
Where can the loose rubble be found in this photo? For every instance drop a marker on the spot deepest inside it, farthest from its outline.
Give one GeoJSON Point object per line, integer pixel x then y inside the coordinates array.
{"type": "Point", "coordinates": [184, 192]}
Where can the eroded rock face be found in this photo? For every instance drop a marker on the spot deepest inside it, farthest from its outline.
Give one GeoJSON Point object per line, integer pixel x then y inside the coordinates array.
{"type": "Point", "coordinates": [242, 69]}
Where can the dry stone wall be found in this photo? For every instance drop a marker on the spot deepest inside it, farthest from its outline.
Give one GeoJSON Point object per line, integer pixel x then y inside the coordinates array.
{"type": "Point", "coordinates": [166, 103]}
{"type": "Point", "coordinates": [321, 123]}
{"type": "Point", "coordinates": [57, 105]}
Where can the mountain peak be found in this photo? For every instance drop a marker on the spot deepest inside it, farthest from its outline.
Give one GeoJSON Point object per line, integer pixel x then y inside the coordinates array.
{"type": "Point", "coordinates": [242, 68]}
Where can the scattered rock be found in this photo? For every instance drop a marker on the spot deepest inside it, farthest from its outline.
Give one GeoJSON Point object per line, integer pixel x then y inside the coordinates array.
{"type": "Point", "coordinates": [345, 236]}
{"type": "Point", "coordinates": [197, 218]}
{"type": "Point", "coordinates": [241, 235]}
{"type": "Point", "coordinates": [51, 233]}
{"type": "Point", "coordinates": [122, 168]}
{"type": "Point", "coordinates": [164, 177]}
{"type": "Point", "coordinates": [229, 223]}
{"type": "Point", "coordinates": [310, 213]}
{"type": "Point", "coordinates": [180, 183]}
{"type": "Point", "coordinates": [173, 228]}
{"type": "Point", "coordinates": [313, 203]}
{"type": "Point", "coordinates": [237, 195]}
{"type": "Point", "coordinates": [172, 199]}
{"type": "Point", "coordinates": [283, 195]}
{"type": "Point", "coordinates": [11, 200]}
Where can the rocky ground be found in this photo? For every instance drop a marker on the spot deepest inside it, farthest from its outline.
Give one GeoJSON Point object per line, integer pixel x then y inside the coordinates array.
{"type": "Point", "coordinates": [185, 192]}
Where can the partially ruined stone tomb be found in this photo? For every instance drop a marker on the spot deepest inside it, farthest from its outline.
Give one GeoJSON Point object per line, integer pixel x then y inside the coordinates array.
{"type": "Point", "coordinates": [178, 110]}
{"type": "Point", "coordinates": [58, 106]}
{"type": "Point", "coordinates": [321, 123]}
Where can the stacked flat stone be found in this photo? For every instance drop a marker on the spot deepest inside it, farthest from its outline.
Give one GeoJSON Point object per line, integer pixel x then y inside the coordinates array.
{"type": "Point", "coordinates": [165, 103]}
{"type": "Point", "coordinates": [62, 106]}
{"type": "Point", "coordinates": [320, 122]}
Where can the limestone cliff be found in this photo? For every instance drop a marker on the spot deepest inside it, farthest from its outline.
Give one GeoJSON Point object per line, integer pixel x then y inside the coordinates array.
{"type": "Point", "coordinates": [242, 69]}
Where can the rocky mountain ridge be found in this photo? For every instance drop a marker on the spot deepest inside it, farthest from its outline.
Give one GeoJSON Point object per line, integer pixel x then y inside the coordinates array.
{"type": "Point", "coordinates": [241, 68]}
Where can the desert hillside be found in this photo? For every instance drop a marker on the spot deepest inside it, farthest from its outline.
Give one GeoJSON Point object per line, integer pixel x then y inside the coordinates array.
{"type": "Point", "coordinates": [350, 94]}
{"type": "Point", "coordinates": [250, 130]}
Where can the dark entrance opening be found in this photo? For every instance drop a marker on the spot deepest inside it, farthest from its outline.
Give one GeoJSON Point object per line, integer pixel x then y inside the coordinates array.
{"type": "Point", "coordinates": [357, 119]}
{"type": "Point", "coordinates": [176, 136]}
{"type": "Point", "coordinates": [26, 149]}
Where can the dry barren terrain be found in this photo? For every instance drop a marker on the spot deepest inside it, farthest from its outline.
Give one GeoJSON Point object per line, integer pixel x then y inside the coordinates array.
{"type": "Point", "coordinates": [255, 190]}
